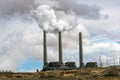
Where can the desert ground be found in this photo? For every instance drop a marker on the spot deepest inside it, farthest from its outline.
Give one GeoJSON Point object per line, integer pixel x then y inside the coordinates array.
{"type": "Point", "coordinates": [80, 74]}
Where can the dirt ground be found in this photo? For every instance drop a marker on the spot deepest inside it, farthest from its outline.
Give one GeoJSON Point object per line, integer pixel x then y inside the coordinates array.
{"type": "Point", "coordinates": [86, 77]}
{"type": "Point", "coordinates": [82, 74]}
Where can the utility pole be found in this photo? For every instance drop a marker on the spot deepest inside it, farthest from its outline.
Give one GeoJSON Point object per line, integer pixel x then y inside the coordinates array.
{"type": "Point", "coordinates": [119, 61]}
{"type": "Point", "coordinates": [106, 62]}
{"type": "Point", "coordinates": [100, 61]}
{"type": "Point", "coordinates": [114, 61]}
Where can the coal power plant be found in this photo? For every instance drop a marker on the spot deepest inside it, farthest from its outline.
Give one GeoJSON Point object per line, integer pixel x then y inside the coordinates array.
{"type": "Point", "coordinates": [59, 65]}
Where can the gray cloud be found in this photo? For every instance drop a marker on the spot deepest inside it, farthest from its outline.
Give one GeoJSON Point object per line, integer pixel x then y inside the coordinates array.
{"type": "Point", "coordinates": [82, 10]}
{"type": "Point", "coordinates": [11, 7]}
{"type": "Point", "coordinates": [104, 3]}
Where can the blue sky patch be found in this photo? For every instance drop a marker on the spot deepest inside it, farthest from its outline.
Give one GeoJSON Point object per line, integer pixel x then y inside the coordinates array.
{"type": "Point", "coordinates": [31, 65]}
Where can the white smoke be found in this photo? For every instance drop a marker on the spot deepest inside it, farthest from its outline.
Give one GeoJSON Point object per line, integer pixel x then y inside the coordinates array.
{"type": "Point", "coordinates": [61, 16]}
{"type": "Point", "coordinates": [51, 20]}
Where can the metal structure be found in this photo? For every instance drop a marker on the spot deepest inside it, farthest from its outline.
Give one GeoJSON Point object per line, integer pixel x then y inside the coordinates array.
{"type": "Point", "coordinates": [56, 65]}
{"type": "Point", "coordinates": [68, 65]}
{"type": "Point", "coordinates": [45, 48]}
{"type": "Point", "coordinates": [60, 48]}
{"type": "Point", "coordinates": [80, 51]}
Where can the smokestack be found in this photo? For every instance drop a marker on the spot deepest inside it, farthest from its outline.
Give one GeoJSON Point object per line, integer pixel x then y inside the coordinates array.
{"type": "Point", "coordinates": [45, 48]}
{"type": "Point", "coordinates": [60, 48]}
{"type": "Point", "coordinates": [80, 51]}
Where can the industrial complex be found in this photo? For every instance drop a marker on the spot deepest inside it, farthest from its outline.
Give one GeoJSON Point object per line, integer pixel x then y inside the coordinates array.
{"type": "Point", "coordinates": [68, 65]}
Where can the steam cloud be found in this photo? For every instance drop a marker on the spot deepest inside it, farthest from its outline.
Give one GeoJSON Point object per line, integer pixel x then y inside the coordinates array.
{"type": "Point", "coordinates": [21, 35]}
{"type": "Point", "coordinates": [50, 20]}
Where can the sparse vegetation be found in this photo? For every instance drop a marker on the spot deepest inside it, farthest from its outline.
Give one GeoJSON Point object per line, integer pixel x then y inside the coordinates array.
{"type": "Point", "coordinates": [82, 74]}
{"type": "Point", "coordinates": [112, 72]}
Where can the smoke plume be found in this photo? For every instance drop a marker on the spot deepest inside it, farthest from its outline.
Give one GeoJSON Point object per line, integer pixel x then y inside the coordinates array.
{"type": "Point", "coordinates": [51, 20]}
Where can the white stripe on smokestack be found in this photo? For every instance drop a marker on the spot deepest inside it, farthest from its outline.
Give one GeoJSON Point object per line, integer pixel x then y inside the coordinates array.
{"type": "Point", "coordinates": [45, 47]}
{"type": "Point", "coordinates": [60, 48]}
{"type": "Point", "coordinates": [80, 50]}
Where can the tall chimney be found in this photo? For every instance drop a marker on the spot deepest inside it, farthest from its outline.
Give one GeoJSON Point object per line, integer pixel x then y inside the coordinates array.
{"type": "Point", "coordinates": [45, 47]}
{"type": "Point", "coordinates": [60, 48]}
{"type": "Point", "coordinates": [80, 51]}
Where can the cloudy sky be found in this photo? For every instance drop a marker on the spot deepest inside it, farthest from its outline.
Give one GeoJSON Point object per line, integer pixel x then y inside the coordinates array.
{"type": "Point", "coordinates": [23, 21]}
